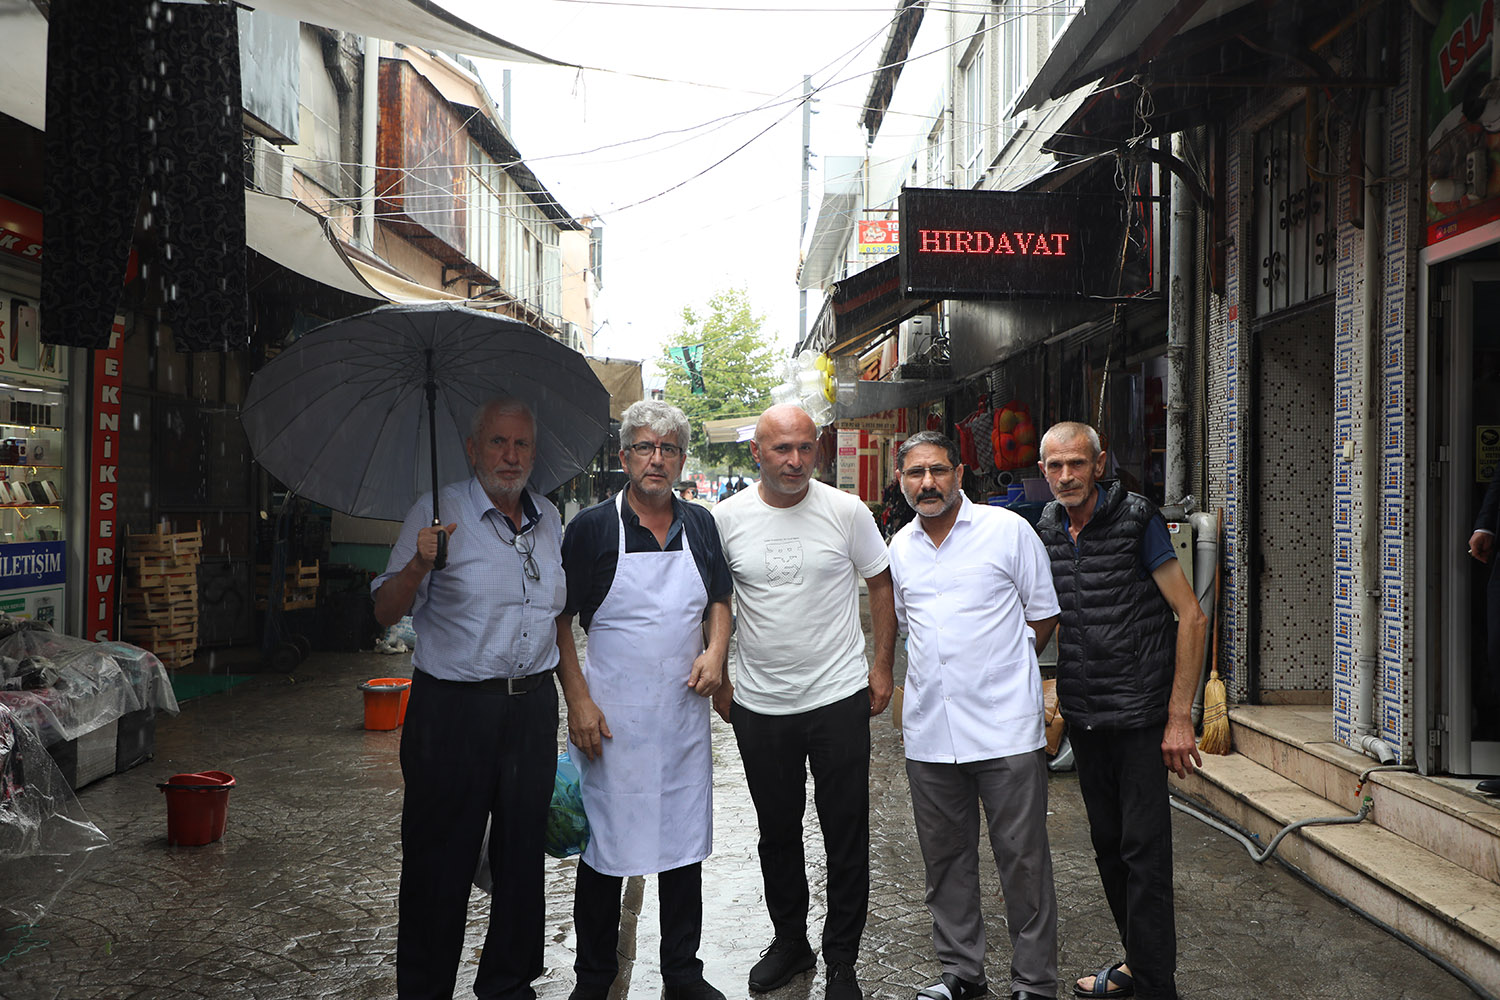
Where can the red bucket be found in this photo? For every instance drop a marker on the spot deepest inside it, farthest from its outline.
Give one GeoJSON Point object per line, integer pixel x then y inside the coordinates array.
{"type": "Point", "coordinates": [197, 807]}
{"type": "Point", "coordinates": [385, 701]}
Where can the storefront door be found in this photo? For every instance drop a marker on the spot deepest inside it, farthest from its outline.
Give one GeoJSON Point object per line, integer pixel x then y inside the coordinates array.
{"type": "Point", "coordinates": [1467, 421]}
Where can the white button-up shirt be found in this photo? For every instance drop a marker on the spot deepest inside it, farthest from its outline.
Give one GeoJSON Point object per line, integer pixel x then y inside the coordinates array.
{"type": "Point", "coordinates": [481, 616]}
{"type": "Point", "coordinates": [973, 690]}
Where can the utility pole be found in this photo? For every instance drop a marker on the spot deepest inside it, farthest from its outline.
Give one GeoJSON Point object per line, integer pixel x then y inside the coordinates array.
{"type": "Point", "coordinates": [807, 114]}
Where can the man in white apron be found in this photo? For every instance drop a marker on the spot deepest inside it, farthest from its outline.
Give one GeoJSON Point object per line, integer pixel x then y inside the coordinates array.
{"type": "Point", "coordinates": [645, 572]}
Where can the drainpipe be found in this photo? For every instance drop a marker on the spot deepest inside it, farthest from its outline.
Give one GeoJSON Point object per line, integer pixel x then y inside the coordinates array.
{"type": "Point", "coordinates": [367, 125]}
{"type": "Point", "coordinates": [1365, 738]}
{"type": "Point", "coordinates": [1179, 333]}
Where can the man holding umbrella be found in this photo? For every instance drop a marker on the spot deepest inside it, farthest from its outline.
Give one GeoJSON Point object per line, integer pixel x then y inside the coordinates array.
{"type": "Point", "coordinates": [480, 737]}
{"type": "Point", "coordinates": [645, 573]}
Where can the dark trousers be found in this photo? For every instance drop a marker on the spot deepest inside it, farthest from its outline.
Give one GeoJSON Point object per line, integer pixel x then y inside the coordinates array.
{"type": "Point", "coordinates": [596, 921]}
{"type": "Point", "coordinates": [777, 751]}
{"type": "Point", "coordinates": [467, 754]}
{"type": "Point", "coordinates": [1124, 786]}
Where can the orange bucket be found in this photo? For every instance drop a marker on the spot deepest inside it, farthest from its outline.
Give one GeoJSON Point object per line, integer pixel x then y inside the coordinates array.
{"type": "Point", "coordinates": [197, 807]}
{"type": "Point", "coordinates": [385, 701]}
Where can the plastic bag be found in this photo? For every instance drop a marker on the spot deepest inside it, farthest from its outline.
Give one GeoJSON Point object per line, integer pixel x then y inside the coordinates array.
{"type": "Point", "coordinates": [567, 826]}
{"type": "Point", "coordinates": [45, 836]}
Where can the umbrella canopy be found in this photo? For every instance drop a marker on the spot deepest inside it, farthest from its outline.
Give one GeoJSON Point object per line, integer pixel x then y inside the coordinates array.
{"type": "Point", "coordinates": [341, 416]}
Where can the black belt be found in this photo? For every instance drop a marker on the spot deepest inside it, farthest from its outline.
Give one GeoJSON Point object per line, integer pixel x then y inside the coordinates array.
{"type": "Point", "coordinates": [505, 685]}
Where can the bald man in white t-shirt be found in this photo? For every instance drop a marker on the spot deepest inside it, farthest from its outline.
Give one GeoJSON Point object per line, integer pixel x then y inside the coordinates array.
{"type": "Point", "coordinates": [801, 694]}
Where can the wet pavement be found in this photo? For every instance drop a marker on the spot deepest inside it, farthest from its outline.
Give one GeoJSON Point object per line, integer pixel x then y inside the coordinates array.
{"type": "Point", "coordinates": [298, 900]}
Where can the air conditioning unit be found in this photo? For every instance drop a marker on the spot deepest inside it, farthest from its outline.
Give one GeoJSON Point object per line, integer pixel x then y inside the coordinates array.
{"type": "Point", "coordinates": [915, 339]}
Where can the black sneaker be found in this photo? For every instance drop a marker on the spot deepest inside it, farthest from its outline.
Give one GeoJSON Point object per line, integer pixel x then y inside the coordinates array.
{"type": "Point", "coordinates": [701, 990]}
{"type": "Point", "coordinates": [780, 962]}
{"type": "Point", "coordinates": [582, 992]}
{"type": "Point", "coordinates": [842, 983]}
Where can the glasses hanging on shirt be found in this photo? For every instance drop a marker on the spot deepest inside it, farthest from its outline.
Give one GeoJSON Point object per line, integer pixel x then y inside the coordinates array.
{"type": "Point", "coordinates": [525, 544]}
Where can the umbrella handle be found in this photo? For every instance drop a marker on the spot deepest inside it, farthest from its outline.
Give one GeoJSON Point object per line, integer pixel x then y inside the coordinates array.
{"type": "Point", "coordinates": [442, 552]}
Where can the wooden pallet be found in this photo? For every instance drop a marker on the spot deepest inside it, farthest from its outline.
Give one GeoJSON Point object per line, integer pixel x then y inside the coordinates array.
{"type": "Point", "coordinates": [161, 599]}
{"type": "Point", "coordinates": [299, 588]}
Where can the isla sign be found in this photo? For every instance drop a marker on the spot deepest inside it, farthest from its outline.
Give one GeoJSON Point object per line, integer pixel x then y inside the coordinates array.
{"type": "Point", "coordinates": [1009, 244]}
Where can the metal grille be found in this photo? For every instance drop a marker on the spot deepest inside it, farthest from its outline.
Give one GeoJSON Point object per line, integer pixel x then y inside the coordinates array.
{"type": "Point", "coordinates": [1294, 216]}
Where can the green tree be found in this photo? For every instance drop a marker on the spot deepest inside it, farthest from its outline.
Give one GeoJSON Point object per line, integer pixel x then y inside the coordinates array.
{"type": "Point", "coordinates": [738, 369]}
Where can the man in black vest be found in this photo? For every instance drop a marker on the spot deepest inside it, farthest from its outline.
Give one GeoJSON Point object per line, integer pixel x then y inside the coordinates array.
{"type": "Point", "coordinates": [1126, 673]}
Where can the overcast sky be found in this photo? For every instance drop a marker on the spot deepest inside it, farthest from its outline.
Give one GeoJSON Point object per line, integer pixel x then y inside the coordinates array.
{"type": "Point", "coordinates": [615, 146]}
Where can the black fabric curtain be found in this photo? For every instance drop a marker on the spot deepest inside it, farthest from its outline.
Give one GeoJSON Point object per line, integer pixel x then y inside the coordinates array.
{"type": "Point", "coordinates": [144, 148]}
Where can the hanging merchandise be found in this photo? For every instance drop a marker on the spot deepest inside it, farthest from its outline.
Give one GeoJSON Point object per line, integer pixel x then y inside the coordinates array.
{"type": "Point", "coordinates": [808, 382]}
{"type": "Point", "coordinates": [974, 448]}
{"type": "Point", "coordinates": [1014, 436]}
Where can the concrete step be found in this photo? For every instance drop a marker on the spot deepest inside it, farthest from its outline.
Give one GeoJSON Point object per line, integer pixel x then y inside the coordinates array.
{"type": "Point", "coordinates": [1450, 911]}
{"type": "Point", "coordinates": [1455, 823]}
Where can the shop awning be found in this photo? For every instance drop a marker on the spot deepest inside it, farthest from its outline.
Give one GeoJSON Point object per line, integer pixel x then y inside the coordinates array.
{"type": "Point", "coordinates": [1106, 35]}
{"type": "Point", "coordinates": [416, 22]}
{"type": "Point", "coordinates": [300, 240]}
{"type": "Point", "coordinates": [622, 379]}
{"type": "Point", "coordinates": [297, 238]}
{"type": "Point", "coordinates": [875, 397]}
{"type": "Point", "coordinates": [835, 224]}
{"type": "Point", "coordinates": [867, 304]}
{"type": "Point", "coordinates": [1197, 59]}
{"type": "Point", "coordinates": [23, 85]}
{"type": "Point", "coordinates": [730, 429]}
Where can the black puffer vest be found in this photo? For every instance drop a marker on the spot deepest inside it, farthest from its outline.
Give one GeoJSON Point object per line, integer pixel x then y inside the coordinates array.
{"type": "Point", "coordinates": [1117, 635]}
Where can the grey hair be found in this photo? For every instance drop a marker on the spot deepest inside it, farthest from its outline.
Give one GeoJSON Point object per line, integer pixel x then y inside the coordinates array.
{"type": "Point", "coordinates": [927, 437]}
{"type": "Point", "coordinates": [663, 418]}
{"type": "Point", "coordinates": [1067, 430]}
{"type": "Point", "coordinates": [499, 405]}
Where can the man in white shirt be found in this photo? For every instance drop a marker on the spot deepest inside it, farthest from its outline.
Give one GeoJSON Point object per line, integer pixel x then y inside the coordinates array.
{"type": "Point", "coordinates": [973, 589]}
{"type": "Point", "coordinates": [802, 694]}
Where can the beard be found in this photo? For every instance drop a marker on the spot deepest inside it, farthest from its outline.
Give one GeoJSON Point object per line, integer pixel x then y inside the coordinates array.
{"type": "Point", "coordinates": [922, 496]}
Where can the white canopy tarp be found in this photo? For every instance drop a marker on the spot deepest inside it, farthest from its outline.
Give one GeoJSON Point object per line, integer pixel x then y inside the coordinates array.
{"type": "Point", "coordinates": [730, 430]}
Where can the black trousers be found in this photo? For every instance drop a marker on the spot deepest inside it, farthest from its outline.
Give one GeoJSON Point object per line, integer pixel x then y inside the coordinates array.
{"type": "Point", "coordinates": [596, 921]}
{"type": "Point", "coordinates": [834, 741]}
{"type": "Point", "coordinates": [467, 754]}
{"type": "Point", "coordinates": [1124, 786]}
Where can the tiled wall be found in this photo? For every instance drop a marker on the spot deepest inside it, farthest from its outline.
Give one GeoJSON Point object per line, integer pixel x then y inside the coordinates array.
{"type": "Point", "coordinates": [1230, 476]}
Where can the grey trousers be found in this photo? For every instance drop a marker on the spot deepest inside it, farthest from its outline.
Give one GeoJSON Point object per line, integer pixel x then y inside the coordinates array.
{"type": "Point", "coordinates": [945, 802]}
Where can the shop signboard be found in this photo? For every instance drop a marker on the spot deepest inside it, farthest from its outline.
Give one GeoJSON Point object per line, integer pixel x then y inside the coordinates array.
{"type": "Point", "coordinates": [104, 451]}
{"type": "Point", "coordinates": [1463, 139]}
{"type": "Point", "coordinates": [1014, 244]}
{"type": "Point", "coordinates": [879, 236]}
{"type": "Point", "coordinates": [848, 467]}
{"type": "Point", "coordinates": [20, 231]}
{"type": "Point", "coordinates": [31, 579]}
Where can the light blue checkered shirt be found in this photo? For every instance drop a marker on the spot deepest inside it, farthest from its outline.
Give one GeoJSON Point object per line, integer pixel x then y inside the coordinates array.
{"type": "Point", "coordinates": [482, 616]}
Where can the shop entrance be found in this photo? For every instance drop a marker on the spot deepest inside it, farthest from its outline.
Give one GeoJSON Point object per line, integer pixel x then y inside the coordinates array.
{"type": "Point", "coordinates": [1466, 419]}
{"type": "Point", "coordinates": [1292, 539]}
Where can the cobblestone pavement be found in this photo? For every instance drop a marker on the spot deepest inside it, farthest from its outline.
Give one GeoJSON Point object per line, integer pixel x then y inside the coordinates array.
{"type": "Point", "coordinates": [298, 899]}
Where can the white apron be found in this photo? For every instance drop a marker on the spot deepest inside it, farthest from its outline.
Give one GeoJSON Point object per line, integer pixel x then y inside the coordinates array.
{"type": "Point", "coordinates": [649, 796]}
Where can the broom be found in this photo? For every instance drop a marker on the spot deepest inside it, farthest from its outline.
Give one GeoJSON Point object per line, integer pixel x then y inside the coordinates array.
{"type": "Point", "coordinates": [1215, 703]}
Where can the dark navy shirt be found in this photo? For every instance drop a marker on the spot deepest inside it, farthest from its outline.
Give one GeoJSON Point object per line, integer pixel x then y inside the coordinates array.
{"type": "Point", "coordinates": [591, 550]}
{"type": "Point", "coordinates": [1156, 541]}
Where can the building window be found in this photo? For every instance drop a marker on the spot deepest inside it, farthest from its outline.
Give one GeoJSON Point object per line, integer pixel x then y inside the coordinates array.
{"type": "Point", "coordinates": [937, 158]}
{"type": "Point", "coordinates": [971, 126]}
{"type": "Point", "coordinates": [1059, 13]}
{"type": "Point", "coordinates": [1013, 71]}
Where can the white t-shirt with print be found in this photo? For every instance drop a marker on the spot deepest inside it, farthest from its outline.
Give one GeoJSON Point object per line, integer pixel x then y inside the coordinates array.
{"type": "Point", "coordinates": [796, 583]}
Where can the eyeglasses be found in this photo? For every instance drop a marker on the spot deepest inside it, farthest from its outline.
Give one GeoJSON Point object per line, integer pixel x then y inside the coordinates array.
{"type": "Point", "coordinates": [644, 449]}
{"type": "Point", "coordinates": [525, 544]}
{"type": "Point", "coordinates": [917, 473]}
